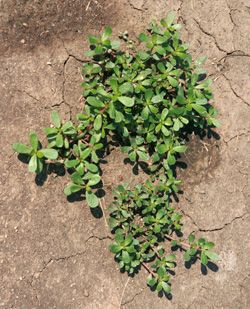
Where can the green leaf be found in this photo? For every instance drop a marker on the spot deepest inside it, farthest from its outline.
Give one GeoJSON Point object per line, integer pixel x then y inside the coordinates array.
{"type": "Point", "coordinates": [143, 37]}
{"type": "Point", "coordinates": [114, 248]}
{"type": "Point", "coordinates": [77, 178]}
{"type": "Point", "coordinates": [95, 102]}
{"type": "Point", "coordinates": [191, 238]}
{"type": "Point", "coordinates": [127, 101]}
{"type": "Point", "coordinates": [98, 50]}
{"type": "Point", "coordinates": [209, 245]}
{"type": "Point", "coordinates": [201, 60]}
{"type": "Point", "coordinates": [187, 257]}
{"type": "Point", "coordinates": [125, 257]}
{"type": "Point", "coordinates": [118, 117]}
{"type": "Point", "coordinates": [212, 255]}
{"type": "Point", "coordinates": [56, 119]}
{"type": "Point", "coordinates": [173, 82]}
{"type": "Point", "coordinates": [159, 287]}
{"type": "Point", "coordinates": [200, 109]}
{"type": "Point", "coordinates": [132, 156]}
{"type": "Point", "coordinates": [94, 179]}
{"type": "Point", "coordinates": [164, 113]}
{"type": "Point", "coordinates": [92, 167]}
{"type": "Point", "coordinates": [166, 287]}
{"type": "Point", "coordinates": [204, 259]}
{"type": "Point", "coordinates": [143, 155]}
{"type": "Point", "coordinates": [162, 148]}
{"type": "Point", "coordinates": [39, 168]}
{"type": "Point", "coordinates": [201, 242]}
{"type": "Point", "coordinates": [170, 258]}
{"type": "Point", "coordinates": [71, 163]}
{"type": "Point", "coordinates": [59, 140]}
{"type": "Point", "coordinates": [165, 131]}
{"type": "Point", "coordinates": [34, 141]}
{"type": "Point", "coordinates": [215, 122]}
{"type": "Point", "coordinates": [107, 33]}
{"type": "Point", "coordinates": [151, 281]}
{"type": "Point", "coordinates": [157, 99]}
{"type": "Point", "coordinates": [85, 153]}
{"type": "Point", "coordinates": [21, 148]}
{"type": "Point", "coordinates": [72, 188]}
{"type": "Point", "coordinates": [143, 74]}
{"type": "Point", "coordinates": [113, 223]}
{"type": "Point", "coordinates": [176, 126]}
{"type": "Point", "coordinates": [126, 88]}
{"type": "Point", "coordinates": [192, 252]}
{"type": "Point", "coordinates": [33, 164]}
{"type": "Point", "coordinates": [92, 39]}
{"type": "Point", "coordinates": [115, 45]}
{"type": "Point", "coordinates": [51, 154]}
{"type": "Point", "coordinates": [160, 50]}
{"type": "Point", "coordinates": [170, 18]}
{"type": "Point", "coordinates": [68, 128]}
{"type": "Point", "coordinates": [171, 159]}
{"type": "Point", "coordinates": [50, 131]}
{"type": "Point", "coordinates": [98, 122]}
{"type": "Point", "coordinates": [92, 200]}
{"type": "Point", "coordinates": [161, 271]}
{"type": "Point", "coordinates": [143, 55]}
{"type": "Point", "coordinates": [180, 148]}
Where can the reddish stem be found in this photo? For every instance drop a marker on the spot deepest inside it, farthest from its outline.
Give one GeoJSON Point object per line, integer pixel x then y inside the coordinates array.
{"type": "Point", "coordinates": [148, 269]}
{"type": "Point", "coordinates": [180, 242]}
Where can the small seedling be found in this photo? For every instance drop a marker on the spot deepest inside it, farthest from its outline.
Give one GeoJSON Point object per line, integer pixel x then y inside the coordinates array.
{"type": "Point", "coordinates": [146, 97]}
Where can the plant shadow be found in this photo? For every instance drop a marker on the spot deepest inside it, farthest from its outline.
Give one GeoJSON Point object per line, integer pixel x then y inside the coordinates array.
{"type": "Point", "coordinates": [204, 268]}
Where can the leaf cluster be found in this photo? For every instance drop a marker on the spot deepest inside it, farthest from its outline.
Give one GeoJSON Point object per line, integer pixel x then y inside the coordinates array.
{"type": "Point", "coordinates": [145, 96]}
{"type": "Point", "coordinates": [142, 220]}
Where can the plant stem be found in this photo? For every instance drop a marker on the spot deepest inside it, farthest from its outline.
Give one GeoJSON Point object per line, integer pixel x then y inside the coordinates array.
{"type": "Point", "coordinates": [148, 269]}
{"type": "Point", "coordinates": [178, 241]}
{"type": "Point", "coordinates": [152, 247]}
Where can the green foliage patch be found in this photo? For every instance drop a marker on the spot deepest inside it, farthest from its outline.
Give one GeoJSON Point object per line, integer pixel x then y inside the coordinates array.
{"type": "Point", "coordinates": [145, 96]}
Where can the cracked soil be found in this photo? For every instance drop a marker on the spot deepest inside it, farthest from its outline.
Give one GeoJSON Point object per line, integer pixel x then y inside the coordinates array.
{"type": "Point", "coordinates": [54, 253]}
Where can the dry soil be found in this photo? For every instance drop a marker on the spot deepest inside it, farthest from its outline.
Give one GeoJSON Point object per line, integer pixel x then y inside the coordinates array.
{"type": "Point", "coordinates": [54, 253]}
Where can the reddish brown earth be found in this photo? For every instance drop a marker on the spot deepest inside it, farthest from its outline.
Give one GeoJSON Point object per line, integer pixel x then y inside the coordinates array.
{"type": "Point", "coordinates": [54, 253]}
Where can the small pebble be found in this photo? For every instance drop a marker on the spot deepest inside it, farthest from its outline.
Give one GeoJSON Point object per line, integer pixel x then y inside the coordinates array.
{"type": "Point", "coordinates": [86, 293]}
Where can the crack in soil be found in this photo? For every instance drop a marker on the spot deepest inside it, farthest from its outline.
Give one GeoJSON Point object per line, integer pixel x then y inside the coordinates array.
{"type": "Point", "coordinates": [180, 7]}
{"type": "Point", "coordinates": [71, 55]}
{"type": "Point", "coordinates": [234, 53]}
{"type": "Point", "coordinates": [225, 225]}
{"type": "Point", "coordinates": [234, 92]}
{"type": "Point", "coordinates": [37, 274]}
{"type": "Point", "coordinates": [65, 258]}
{"type": "Point", "coordinates": [236, 136]}
{"type": "Point", "coordinates": [209, 34]}
{"type": "Point", "coordinates": [132, 299]}
{"type": "Point", "coordinates": [231, 18]}
{"type": "Point", "coordinates": [35, 292]}
{"type": "Point", "coordinates": [63, 101]}
{"type": "Point", "coordinates": [215, 228]}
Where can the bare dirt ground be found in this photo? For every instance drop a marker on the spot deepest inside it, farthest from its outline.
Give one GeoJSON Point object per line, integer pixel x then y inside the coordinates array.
{"type": "Point", "coordinates": [54, 253]}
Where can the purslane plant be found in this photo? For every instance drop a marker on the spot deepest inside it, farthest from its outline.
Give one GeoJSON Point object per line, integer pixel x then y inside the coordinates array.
{"type": "Point", "coordinates": [146, 97]}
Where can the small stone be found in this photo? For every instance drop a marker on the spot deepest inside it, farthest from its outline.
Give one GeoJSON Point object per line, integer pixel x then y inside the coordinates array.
{"type": "Point", "coordinates": [86, 293]}
{"type": "Point", "coordinates": [22, 41]}
{"type": "Point", "coordinates": [137, 4]}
